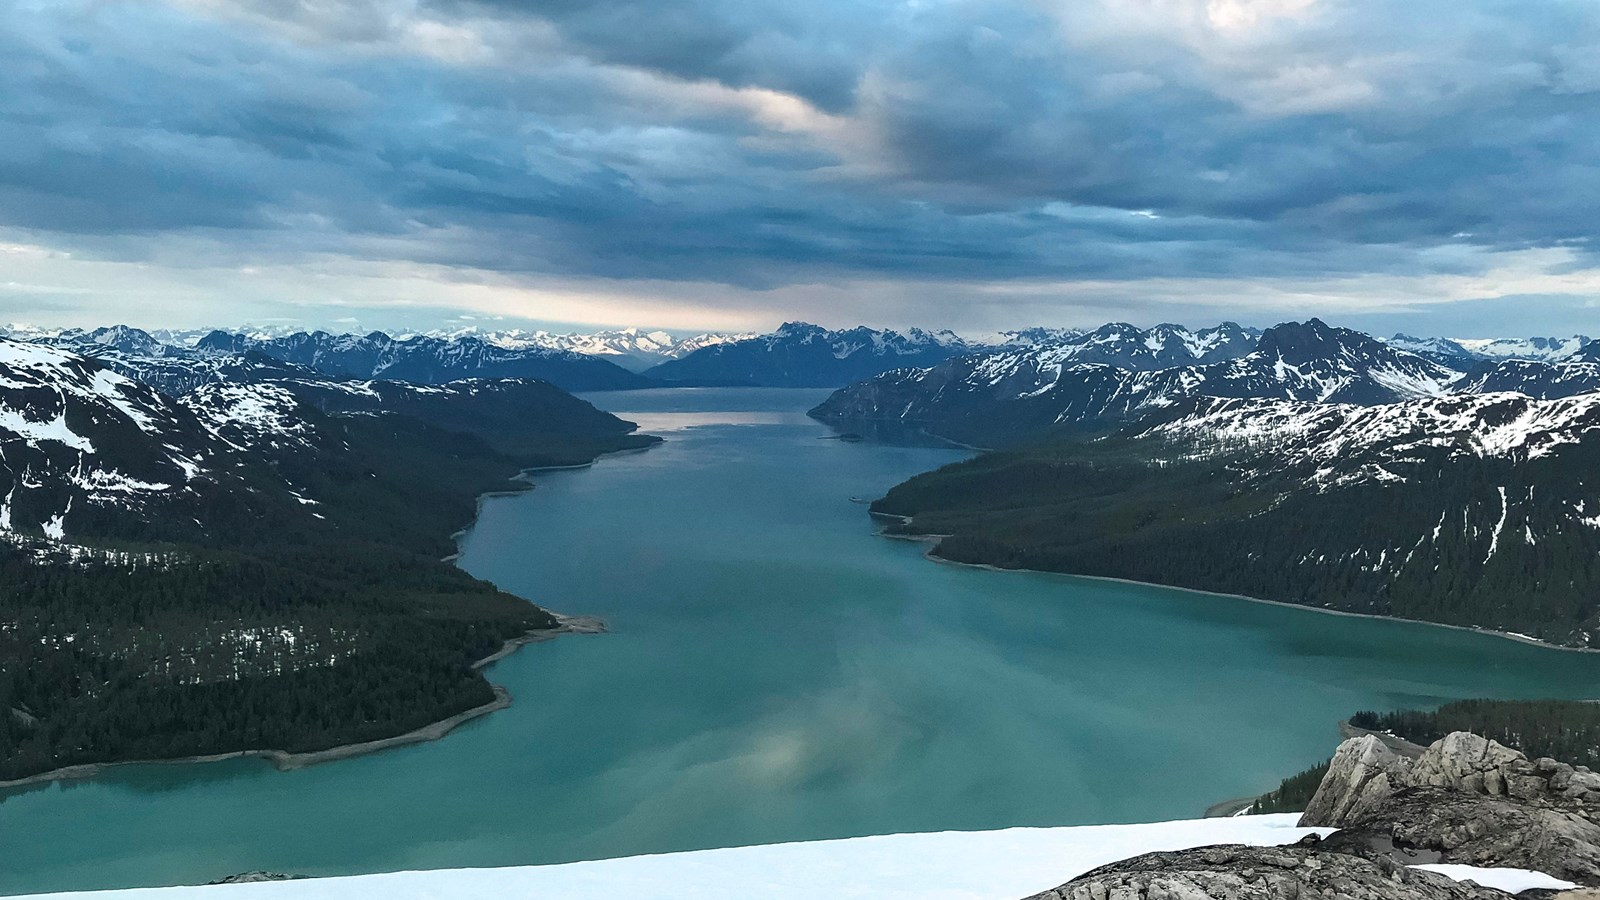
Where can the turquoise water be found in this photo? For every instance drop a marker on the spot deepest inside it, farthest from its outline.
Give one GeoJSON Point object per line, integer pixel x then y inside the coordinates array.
{"type": "Point", "coordinates": [776, 672]}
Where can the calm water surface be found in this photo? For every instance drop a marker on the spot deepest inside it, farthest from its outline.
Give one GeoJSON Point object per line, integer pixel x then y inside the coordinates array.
{"type": "Point", "coordinates": [776, 672]}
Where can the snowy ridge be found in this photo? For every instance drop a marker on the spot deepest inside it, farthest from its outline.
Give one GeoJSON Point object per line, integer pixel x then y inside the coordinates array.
{"type": "Point", "coordinates": [632, 348]}
{"type": "Point", "coordinates": [1344, 443]}
{"type": "Point", "coordinates": [1128, 347]}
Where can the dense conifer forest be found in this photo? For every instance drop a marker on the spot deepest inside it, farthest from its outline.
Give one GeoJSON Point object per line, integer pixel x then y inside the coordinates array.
{"type": "Point", "coordinates": [1453, 539]}
{"type": "Point", "coordinates": [281, 624]}
{"type": "Point", "coordinates": [1294, 794]}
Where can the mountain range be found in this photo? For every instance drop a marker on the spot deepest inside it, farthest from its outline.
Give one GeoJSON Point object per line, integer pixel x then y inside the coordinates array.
{"type": "Point", "coordinates": [992, 398]}
{"type": "Point", "coordinates": [796, 355]}
{"type": "Point", "coordinates": [803, 355]}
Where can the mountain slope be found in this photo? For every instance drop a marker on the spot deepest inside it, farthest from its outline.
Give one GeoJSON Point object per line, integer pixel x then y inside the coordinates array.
{"type": "Point", "coordinates": [996, 398]}
{"type": "Point", "coordinates": [1466, 510]}
{"type": "Point", "coordinates": [802, 355]}
{"type": "Point", "coordinates": [252, 565]}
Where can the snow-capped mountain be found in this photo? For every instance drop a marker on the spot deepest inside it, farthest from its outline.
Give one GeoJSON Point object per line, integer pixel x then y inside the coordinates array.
{"type": "Point", "coordinates": [426, 360]}
{"type": "Point", "coordinates": [1544, 349]}
{"type": "Point", "coordinates": [87, 450]}
{"type": "Point", "coordinates": [632, 348]}
{"type": "Point", "coordinates": [998, 397]}
{"type": "Point", "coordinates": [1037, 336]}
{"type": "Point", "coordinates": [1128, 347]}
{"type": "Point", "coordinates": [804, 355]}
{"type": "Point", "coordinates": [1441, 350]}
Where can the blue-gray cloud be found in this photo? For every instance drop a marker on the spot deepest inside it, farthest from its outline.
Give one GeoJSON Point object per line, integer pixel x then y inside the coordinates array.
{"type": "Point", "coordinates": [764, 144]}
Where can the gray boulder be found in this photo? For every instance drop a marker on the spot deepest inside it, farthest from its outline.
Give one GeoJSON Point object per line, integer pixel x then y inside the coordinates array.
{"type": "Point", "coordinates": [1363, 773]}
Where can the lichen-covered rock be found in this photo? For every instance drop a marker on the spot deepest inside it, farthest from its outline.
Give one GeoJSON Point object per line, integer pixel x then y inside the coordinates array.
{"type": "Point", "coordinates": [1466, 762]}
{"type": "Point", "coordinates": [1297, 872]}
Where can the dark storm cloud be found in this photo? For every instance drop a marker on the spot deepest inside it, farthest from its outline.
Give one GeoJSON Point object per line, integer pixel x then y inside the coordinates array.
{"type": "Point", "coordinates": [759, 143]}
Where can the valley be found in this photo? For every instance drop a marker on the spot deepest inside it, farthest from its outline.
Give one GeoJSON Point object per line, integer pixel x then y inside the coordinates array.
{"type": "Point", "coordinates": [774, 672]}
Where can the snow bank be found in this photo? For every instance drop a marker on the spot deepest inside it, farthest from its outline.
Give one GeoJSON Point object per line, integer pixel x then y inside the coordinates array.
{"type": "Point", "coordinates": [991, 865]}
{"type": "Point", "coordinates": [1512, 881]}
{"type": "Point", "coordinates": [986, 865]}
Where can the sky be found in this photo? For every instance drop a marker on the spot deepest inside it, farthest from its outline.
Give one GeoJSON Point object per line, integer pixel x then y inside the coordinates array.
{"type": "Point", "coordinates": [1428, 166]}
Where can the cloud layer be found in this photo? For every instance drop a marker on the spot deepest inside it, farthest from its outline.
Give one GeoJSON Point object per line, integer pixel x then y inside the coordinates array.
{"type": "Point", "coordinates": [704, 163]}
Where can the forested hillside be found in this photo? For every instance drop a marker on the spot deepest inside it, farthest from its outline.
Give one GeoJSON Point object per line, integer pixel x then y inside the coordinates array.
{"type": "Point", "coordinates": [286, 590]}
{"type": "Point", "coordinates": [1474, 511]}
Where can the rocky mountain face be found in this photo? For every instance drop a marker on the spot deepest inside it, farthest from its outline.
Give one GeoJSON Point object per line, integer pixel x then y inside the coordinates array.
{"type": "Point", "coordinates": [1465, 801]}
{"type": "Point", "coordinates": [996, 398]}
{"type": "Point", "coordinates": [804, 355]}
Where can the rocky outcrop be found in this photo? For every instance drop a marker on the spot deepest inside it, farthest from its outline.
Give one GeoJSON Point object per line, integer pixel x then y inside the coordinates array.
{"type": "Point", "coordinates": [1298, 872]}
{"type": "Point", "coordinates": [1364, 774]}
{"type": "Point", "coordinates": [1437, 825]}
{"type": "Point", "coordinates": [1465, 799]}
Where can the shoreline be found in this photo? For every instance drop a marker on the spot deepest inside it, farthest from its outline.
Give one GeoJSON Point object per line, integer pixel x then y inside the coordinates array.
{"type": "Point", "coordinates": [527, 484]}
{"type": "Point", "coordinates": [933, 541]}
{"type": "Point", "coordinates": [285, 761]}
